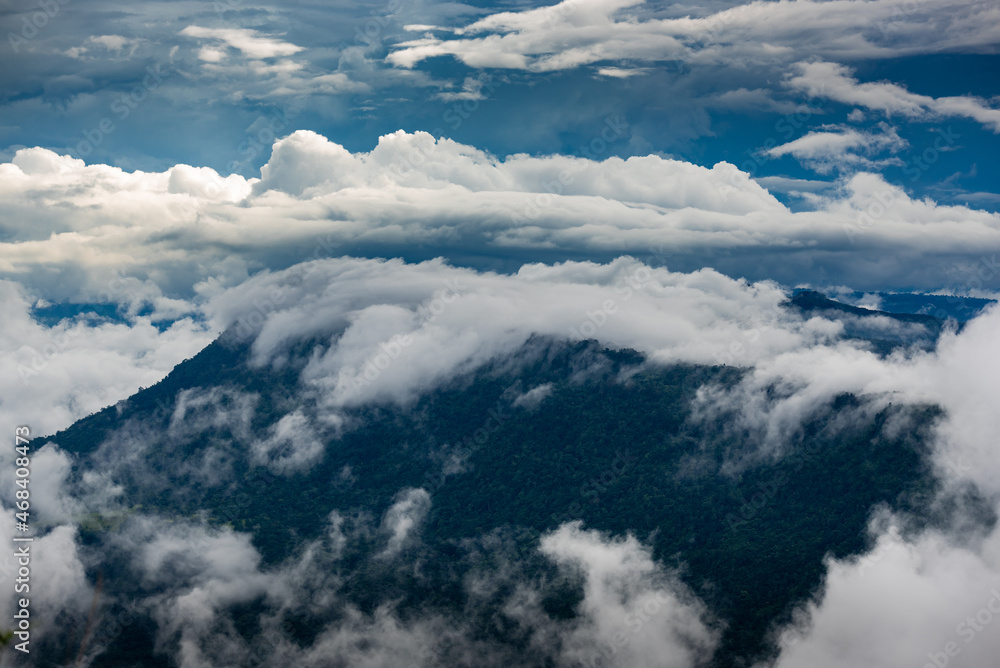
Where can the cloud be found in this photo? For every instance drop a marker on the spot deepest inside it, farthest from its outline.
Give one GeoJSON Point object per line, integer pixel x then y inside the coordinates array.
{"type": "Point", "coordinates": [429, 322]}
{"type": "Point", "coordinates": [248, 42]}
{"type": "Point", "coordinates": [146, 238]}
{"type": "Point", "coordinates": [573, 33]}
{"type": "Point", "coordinates": [922, 595]}
{"type": "Point", "coordinates": [64, 584]}
{"type": "Point", "coordinates": [196, 574]}
{"type": "Point", "coordinates": [55, 375]}
{"type": "Point", "coordinates": [622, 72]}
{"type": "Point", "coordinates": [471, 90]}
{"type": "Point", "coordinates": [757, 99]}
{"type": "Point", "coordinates": [291, 445]}
{"type": "Point", "coordinates": [908, 603]}
{"type": "Point", "coordinates": [57, 585]}
{"type": "Point", "coordinates": [835, 82]}
{"type": "Point", "coordinates": [198, 410]}
{"type": "Point", "coordinates": [51, 504]}
{"type": "Point", "coordinates": [842, 148]}
{"type": "Point", "coordinates": [117, 46]}
{"type": "Point", "coordinates": [401, 328]}
{"type": "Point", "coordinates": [403, 519]}
{"type": "Point", "coordinates": [169, 244]}
{"type": "Point", "coordinates": [533, 397]}
{"type": "Point", "coordinates": [633, 613]}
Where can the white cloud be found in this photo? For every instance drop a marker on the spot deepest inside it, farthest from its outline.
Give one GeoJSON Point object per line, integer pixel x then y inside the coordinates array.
{"type": "Point", "coordinates": [56, 585]}
{"type": "Point", "coordinates": [158, 236]}
{"type": "Point", "coordinates": [856, 116]}
{"type": "Point", "coordinates": [51, 504]}
{"type": "Point", "coordinates": [622, 72]}
{"type": "Point", "coordinates": [573, 33]}
{"type": "Point", "coordinates": [471, 90]}
{"type": "Point", "coordinates": [197, 410]}
{"type": "Point", "coordinates": [835, 82]}
{"type": "Point", "coordinates": [921, 592]}
{"type": "Point", "coordinates": [291, 445]}
{"type": "Point", "coordinates": [175, 241]}
{"type": "Point", "coordinates": [266, 67]}
{"type": "Point", "coordinates": [401, 328]}
{"type": "Point", "coordinates": [906, 605]}
{"type": "Point", "coordinates": [116, 46]}
{"type": "Point", "coordinates": [59, 581]}
{"type": "Point", "coordinates": [56, 375]}
{"type": "Point", "coordinates": [842, 148]}
{"type": "Point", "coordinates": [436, 321]}
{"type": "Point", "coordinates": [249, 42]}
{"type": "Point", "coordinates": [404, 518]}
{"type": "Point", "coordinates": [211, 54]}
{"type": "Point", "coordinates": [533, 397]}
{"type": "Point", "coordinates": [197, 574]}
{"type": "Point", "coordinates": [633, 613]}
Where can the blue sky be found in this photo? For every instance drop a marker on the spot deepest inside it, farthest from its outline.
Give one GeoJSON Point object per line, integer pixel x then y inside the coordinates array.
{"type": "Point", "coordinates": [712, 88]}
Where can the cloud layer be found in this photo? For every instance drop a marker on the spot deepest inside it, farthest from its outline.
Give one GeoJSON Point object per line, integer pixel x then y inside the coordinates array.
{"type": "Point", "coordinates": [573, 33]}
{"type": "Point", "coordinates": [390, 331]}
{"type": "Point", "coordinates": [145, 238]}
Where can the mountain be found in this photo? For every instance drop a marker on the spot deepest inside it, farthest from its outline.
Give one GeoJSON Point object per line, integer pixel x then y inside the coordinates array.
{"type": "Point", "coordinates": [961, 309]}
{"type": "Point", "coordinates": [438, 509]}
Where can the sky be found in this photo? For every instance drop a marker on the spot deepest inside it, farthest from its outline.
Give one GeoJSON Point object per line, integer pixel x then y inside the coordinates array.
{"type": "Point", "coordinates": [815, 143]}
{"type": "Point", "coordinates": [468, 175]}
{"type": "Point", "coordinates": [798, 90]}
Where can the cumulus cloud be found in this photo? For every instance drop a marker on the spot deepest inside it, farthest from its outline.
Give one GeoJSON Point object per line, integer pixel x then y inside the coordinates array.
{"type": "Point", "coordinates": [175, 250]}
{"type": "Point", "coordinates": [390, 330]}
{"type": "Point", "coordinates": [169, 243]}
{"type": "Point", "coordinates": [146, 238]}
{"type": "Point", "coordinates": [835, 82]}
